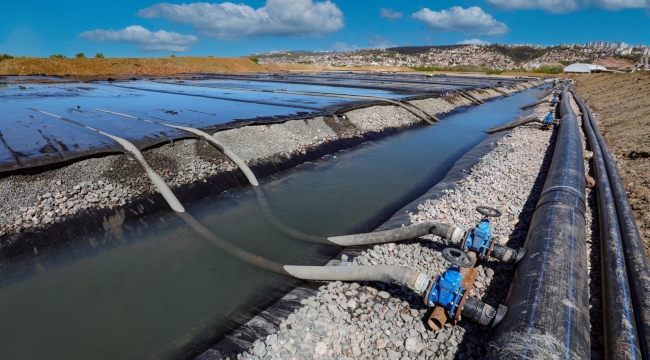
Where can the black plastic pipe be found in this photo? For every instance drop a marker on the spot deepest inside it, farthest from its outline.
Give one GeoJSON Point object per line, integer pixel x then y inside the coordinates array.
{"type": "Point", "coordinates": [622, 254]}
{"type": "Point", "coordinates": [548, 316]}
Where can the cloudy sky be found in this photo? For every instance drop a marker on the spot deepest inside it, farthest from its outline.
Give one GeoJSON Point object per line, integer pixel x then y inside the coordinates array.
{"type": "Point", "coordinates": [142, 28]}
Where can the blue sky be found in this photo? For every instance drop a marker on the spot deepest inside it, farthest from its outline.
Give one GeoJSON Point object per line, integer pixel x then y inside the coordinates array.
{"type": "Point", "coordinates": [149, 28]}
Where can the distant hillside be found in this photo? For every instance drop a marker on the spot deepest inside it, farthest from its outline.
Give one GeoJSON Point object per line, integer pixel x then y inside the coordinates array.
{"type": "Point", "coordinates": [518, 53]}
{"type": "Point", "coordinates": [408, 50]}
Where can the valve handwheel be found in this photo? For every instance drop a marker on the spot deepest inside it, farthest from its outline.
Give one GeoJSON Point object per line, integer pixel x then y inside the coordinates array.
{"type": "Point", "coordinates": [488, 211]}
{"type": "Point", "coordinates": [457, 257]}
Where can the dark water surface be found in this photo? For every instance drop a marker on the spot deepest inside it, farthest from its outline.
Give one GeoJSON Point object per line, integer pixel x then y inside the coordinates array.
{"type": "Point", "coordinates": [158, 290]}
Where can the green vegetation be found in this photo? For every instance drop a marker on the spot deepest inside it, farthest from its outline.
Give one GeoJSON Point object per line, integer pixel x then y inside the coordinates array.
{"type": "Point", "coordinates": [459, 68]}
{"type": "Point", "coordinates": [254, 59]}
{"type": "Point", "coordinates": [5, 57]}
{"type": "Point", "coordinates": [518, 53]}
{"type": "Point", "coordinates": [493, 72]}
{"type": "Point", "coordinates": [99, 56]}
{"type": "Point", "coordinates": [427, 68]}
{"type": "Point", "coordinates": [80, 56]}
{"type": "Point", "coordinates": [172, 55]}
{"type": "Point", "coordinates": [549, 70]}
{"type": "Point", "coordinates": [57, 56]}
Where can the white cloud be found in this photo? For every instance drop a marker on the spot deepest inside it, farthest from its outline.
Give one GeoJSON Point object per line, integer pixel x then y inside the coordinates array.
{"type": "Point", "coordinates": [615, 5]}
{"type": "Point", "coordinates": [470, 21]}
{"type": "Point", "coordinates": [228, 21]}
{"type": "Point", "coordinates": [552, 6]}
{"type": "Point", "coordinates": [566, 6]}
{"type": "Point", "coordinates": [146, 40]}
{"type": "Point", "coordinates": [473, 42]}
{"type": "Point", "coordinates": [343, 47]}
{"type": "Point", "coordinates": [390, 14]}
{"type": "Point", "coordinates": [380, 42]}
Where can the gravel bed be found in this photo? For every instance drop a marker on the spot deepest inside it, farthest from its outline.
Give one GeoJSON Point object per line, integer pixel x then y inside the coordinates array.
{"type": "Point", "coordinates": [387, 321]}
{"type": "Point", "coordinates": [38, 200]}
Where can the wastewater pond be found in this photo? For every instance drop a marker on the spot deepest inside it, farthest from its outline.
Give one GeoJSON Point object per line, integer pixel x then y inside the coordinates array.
{"type": "Point", "coordinates": [156, 289]}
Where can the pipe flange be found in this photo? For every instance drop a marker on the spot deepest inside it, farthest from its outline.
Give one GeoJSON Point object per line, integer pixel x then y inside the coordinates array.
{"type": "Point", "coordinates": [457, 257]}
{"type": "Point", "coordinates": [461, 305]}
{"type": "Point", "coordinates": [428, 291]}
{"type": "Point", "coordinates": [489, 251]}
{"type": "Point", "coordinates": [457, 235]}
{"type": "Point", "coordinates": [420, 283]}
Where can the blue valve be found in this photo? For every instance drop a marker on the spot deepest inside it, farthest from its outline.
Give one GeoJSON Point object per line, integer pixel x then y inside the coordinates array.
{"type": "Point", "coordinates": [554, 100]}
{"type": "Point", "coordinates": [479, 239]}
{"type": "Point", "coordinates": [549, 118]}
{"type": "Point", "coordinates": [447, 290]}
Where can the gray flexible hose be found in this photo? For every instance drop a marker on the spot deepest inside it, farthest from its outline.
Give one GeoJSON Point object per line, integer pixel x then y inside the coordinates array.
{"type": "Point", "coordinates": [445, 231]}
{"type": "Point", "coordinates": [128, 147]}
{"type": "Point", "coordinates": [209, 138]}
{"type": "Point", "coordinates": [512, 124]}
{"type": "Point", "coordinates": [384, 273]}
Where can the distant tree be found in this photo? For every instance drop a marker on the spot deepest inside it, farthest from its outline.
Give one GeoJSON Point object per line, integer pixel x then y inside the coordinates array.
{"type": "Point", "coordinates": [99, 56]}
{"type": "Point", "coordinates": [57, 56]}
{"type": "Point", "coordinates": [518, 53]}
{"type": "Point", "coordinates": [254, 59]}
{"type": "Point", "coordinates": [5, 57]}
{"type": "Point", "coordinates": [549, 69]}
{"type": "Point", "coordinates": [80, 56]}
{"type": "Point", "coordinates": [173, 55]}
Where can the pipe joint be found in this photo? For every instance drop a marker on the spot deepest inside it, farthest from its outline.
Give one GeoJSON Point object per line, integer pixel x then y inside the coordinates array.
{"type": "Point", "coordinates": [482, 313]}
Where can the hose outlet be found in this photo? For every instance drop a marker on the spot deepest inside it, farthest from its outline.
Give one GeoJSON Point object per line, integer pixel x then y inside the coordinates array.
{"type": "Point", "coordinates": [505, 254]}
{"type": "Point", "coordinates": [520, 254]}
{"type": "Point", "coordinates": [482, 313]}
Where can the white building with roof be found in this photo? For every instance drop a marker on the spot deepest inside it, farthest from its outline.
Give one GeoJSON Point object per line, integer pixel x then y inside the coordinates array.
{"type": "Point", "coordinates": [579, 68]}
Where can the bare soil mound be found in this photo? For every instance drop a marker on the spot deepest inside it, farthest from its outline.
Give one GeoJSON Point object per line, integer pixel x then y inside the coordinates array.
{"type": "Point", "coordinates": [621, 103]}
{"type": "Point", "coordinates": [124, 66]}
{"type": "Point", "coordinates": [610, 62]}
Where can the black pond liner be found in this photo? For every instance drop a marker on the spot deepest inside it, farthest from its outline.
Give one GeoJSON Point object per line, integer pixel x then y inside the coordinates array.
{"type": "Point", "coordinates": [91, 221]}
{"type": "Point", "coordinates": [36, 142]}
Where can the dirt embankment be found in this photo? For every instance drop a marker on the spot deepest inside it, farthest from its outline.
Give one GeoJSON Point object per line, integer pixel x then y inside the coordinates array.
{"type": "Point", "coordinates": [621, 104]}
{"type": "Point", "coordinates": [115, 66]}
{"type": "Point", "coordinates": [86, 69]}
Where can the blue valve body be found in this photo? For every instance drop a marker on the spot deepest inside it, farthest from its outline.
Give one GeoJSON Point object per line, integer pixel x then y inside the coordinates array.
{"type": "Point", "coordinates": [554, 100]}
{"type": "Point", "coordinates": [549, 118]}
{"type": "Point", "coordinates": [479, 239]}
{"type": "Point", "coordinates": [447, 291]}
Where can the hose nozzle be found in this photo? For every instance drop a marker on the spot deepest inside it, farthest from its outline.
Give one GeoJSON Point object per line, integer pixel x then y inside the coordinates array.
{"type": "Point", "coordinates": [507, 255]}
{"type": "Point", "coordinates": [483, 313]}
